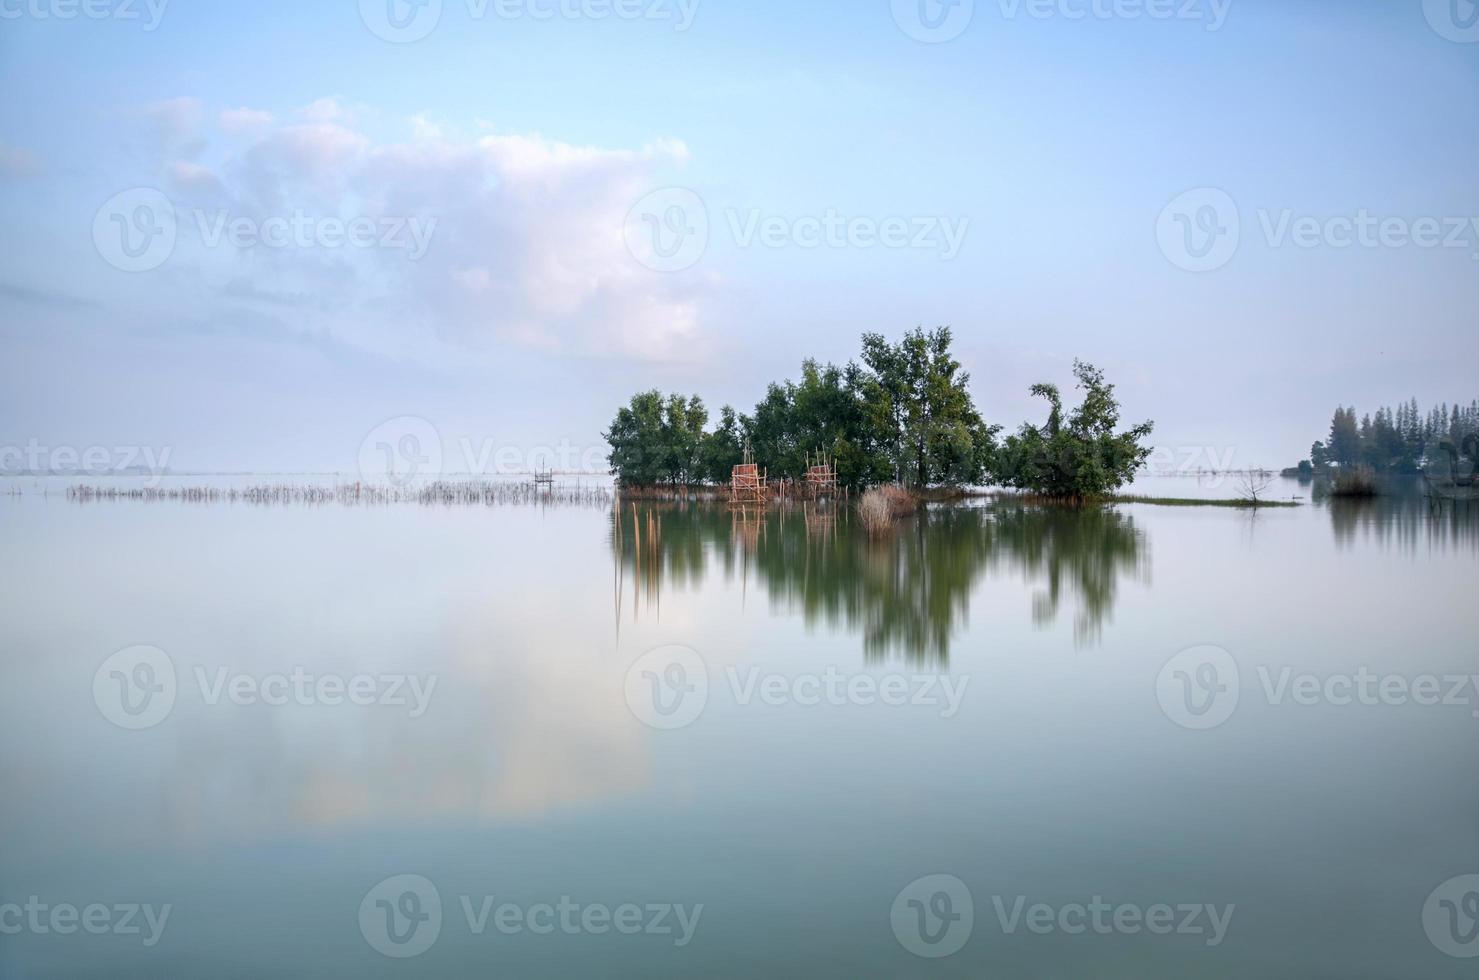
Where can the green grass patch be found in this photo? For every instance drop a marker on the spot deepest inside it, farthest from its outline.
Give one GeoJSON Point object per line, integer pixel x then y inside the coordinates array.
{"type": "Point", "coordinates": [1193, 502]}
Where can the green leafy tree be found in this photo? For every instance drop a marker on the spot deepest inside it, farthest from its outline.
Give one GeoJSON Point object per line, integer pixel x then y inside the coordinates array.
{"type": "Point", "coordinates": [656, 440]}
{"type": "Point", "coordinates": [906, 415]}
{"type": "Point", "coordinates": [824, 412]}
{"type": "Point", "coordinates": [723, 447]}
{"type": "Point", "coordinates": [1080, 456]}
{"type": "Point", "coordinates": [918, 408]}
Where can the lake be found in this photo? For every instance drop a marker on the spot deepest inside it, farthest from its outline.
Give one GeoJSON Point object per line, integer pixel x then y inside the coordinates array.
{"type": "Point", "coordinates": [674, 739]}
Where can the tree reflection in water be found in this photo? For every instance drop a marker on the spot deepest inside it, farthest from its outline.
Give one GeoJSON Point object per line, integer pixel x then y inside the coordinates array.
{"type": "Point", "coordinates": [908, 591]}
{"type": "Point", "coordinates": [1403, 517]}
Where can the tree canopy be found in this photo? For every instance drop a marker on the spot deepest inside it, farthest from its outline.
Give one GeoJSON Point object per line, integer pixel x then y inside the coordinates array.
{"type": "Point", "coordinates": [1393, 440]}
{"type": "Point", "coordinates": [904, 415]}
{"type": "Point", "coordinates": [1081, 456]}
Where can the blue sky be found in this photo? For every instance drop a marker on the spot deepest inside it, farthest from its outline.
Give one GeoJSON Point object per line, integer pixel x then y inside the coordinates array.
{"type": "Point", "coordinates": [1054, 144]}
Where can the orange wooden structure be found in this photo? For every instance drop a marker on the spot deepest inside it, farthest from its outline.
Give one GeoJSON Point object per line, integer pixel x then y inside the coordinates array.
{"type": "Point", "coordinates": [747, 484]}
{"type": "Point", "coordinates": [821, 478]}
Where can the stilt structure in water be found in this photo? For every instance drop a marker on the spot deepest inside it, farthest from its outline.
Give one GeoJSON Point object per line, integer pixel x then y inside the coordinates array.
{"type": "Point", "coordinates": [747, 484]}
{"type": "Point", "coordinates": [544, 479]}
{"type": "Point", "coordinates": [821, 477]}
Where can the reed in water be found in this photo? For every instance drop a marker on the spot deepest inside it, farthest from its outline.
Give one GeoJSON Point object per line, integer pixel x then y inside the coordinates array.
{"type": "Point", "coordinates": [446, 493]}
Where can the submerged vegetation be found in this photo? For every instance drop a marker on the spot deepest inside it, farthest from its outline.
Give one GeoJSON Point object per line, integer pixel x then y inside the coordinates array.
{"type": "Point", "coordinates": [903, 416]}
{"type": "Point", "coordinates": [445, 493]}
{"type": "Point", "coordinates": [1239, 502]}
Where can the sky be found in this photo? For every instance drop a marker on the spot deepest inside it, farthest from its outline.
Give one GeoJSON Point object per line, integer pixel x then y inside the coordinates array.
{"type": "Point", "coordinates": [279, 236]}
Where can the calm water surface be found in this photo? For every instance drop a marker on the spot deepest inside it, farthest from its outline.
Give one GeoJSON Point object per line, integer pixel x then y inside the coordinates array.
{"type": "Point", "coordinates": [769, 716]}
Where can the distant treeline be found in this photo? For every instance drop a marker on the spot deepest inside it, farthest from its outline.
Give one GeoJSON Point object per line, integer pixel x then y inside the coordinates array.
{"type": "Point", "coordinates": [1394, 441]}
{"type": "Point", "coordinates": [904, 415]}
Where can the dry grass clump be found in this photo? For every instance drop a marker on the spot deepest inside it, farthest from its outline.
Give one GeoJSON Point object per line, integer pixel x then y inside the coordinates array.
{"type": "Point", "coordinates": [881, 506]}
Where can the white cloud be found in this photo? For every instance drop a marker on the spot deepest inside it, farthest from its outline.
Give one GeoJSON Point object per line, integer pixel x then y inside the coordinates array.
{"type": "Point", "coordinates": [324, 110]}
{"type": "Point", "coordinates": [527, 246]}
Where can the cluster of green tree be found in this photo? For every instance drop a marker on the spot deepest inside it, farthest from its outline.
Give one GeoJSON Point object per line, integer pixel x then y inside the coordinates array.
{"type": "Point", "coordinates": [1081, 456]}
{"type": "Point", "coordinates": [904, 415]}
{"type": "Point", "coordinates": [1392, 441]}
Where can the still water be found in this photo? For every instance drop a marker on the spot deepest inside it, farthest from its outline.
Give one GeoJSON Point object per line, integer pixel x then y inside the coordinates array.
{"type": "Point", "coordinates": [1135, 741]}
